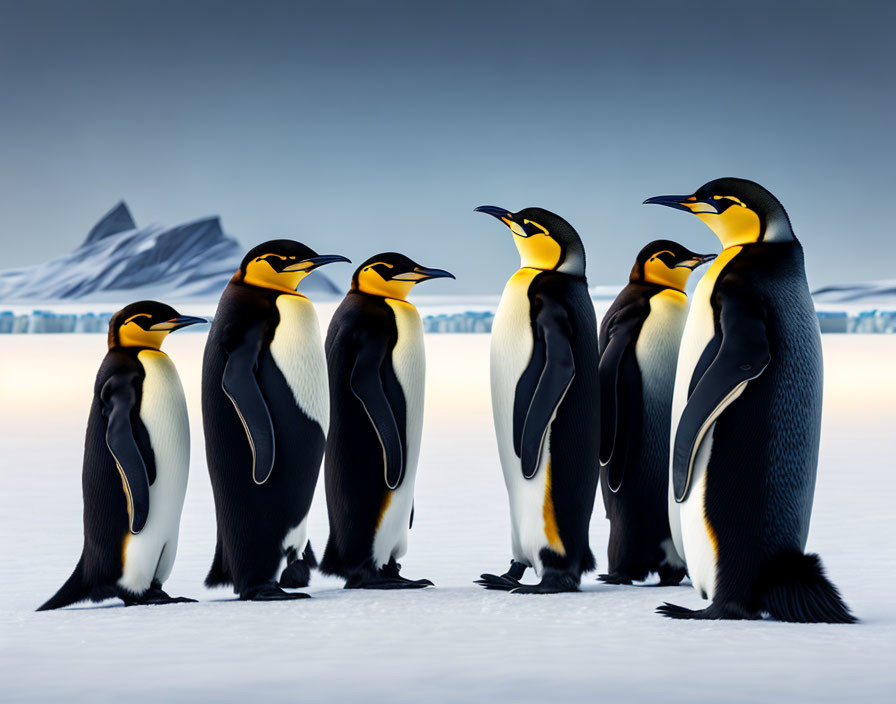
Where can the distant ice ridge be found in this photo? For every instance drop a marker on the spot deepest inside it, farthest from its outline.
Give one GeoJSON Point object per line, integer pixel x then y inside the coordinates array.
{"type": "Point", "coordinates": [45, 321]}
{"type": "Point", "coordinates": [120, 262]}
{"type": "Point", "coordinates": [479, 321]}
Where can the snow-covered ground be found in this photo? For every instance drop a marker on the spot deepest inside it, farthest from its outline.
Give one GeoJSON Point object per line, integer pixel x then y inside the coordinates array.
{"type": "Point", "coordinates": [452, 643]}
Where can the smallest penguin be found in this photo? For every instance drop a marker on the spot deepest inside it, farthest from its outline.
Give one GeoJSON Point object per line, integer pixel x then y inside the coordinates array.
{"type": "Point", "coordinates": [638, 341]}
{"type": "Point", "coordinates": [136, 459]}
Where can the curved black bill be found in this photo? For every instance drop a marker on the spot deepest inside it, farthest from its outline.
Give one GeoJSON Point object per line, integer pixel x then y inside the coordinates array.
{"type": "Point", "coordinates": [319, 260]}
{"type": "Point", "coordinates": [494, 211]}
{"type": "Point", "coordinates": [177, 323]}
{"type": "Point", "coordinates": [696, 261]}
{"type": "Point", "coordinates": [676, 202]}
{"type": "Point", "coordinates": [427, 273]}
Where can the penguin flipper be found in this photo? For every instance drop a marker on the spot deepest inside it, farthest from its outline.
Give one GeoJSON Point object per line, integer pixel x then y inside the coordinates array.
{"type": "Point", "coordinates": [556, 377]}
{"type": "Point", "coordinates": [615, 372]}
{"type": "Point", "coordinates": [367, 385]}
{"type": "Point", "coordinates": [119, 398]}
{"type": "Point", "coordinates": [743, 355]}
{"type": "Point", "coordinates": [241, 386]}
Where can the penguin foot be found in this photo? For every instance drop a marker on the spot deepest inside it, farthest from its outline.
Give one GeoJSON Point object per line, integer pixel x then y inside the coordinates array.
{"type": "Point", "coordinates": [553, 582]}
{"type": "Point", "coordinates": [295, 575]}
{"type": "Point", "coordinates": [670, 576]}
{"type": "Point", "coordinates": [386, 577]}
{"type": "Point", "coordinates": [614, 578]}
{"type": "Point", "coordinates": [506, 582]}
{"type": "Point", "coordinates": [728, 611]}
{"type": "Point", "coordinates": [269, 591]}
{"type": "Point", "coordinates": [380, 581]}
{"type": "Point", "coordinates": [155, 596]}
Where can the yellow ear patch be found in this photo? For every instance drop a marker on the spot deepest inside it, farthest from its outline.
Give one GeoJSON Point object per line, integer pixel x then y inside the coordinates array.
{"type": "Point", "coordinates": [656, 271]}
{"type": "Point", "coordinates": [370, 281]}
{"type": "Point", "coordinates": [260, 273]}
{"type": "Point", "coordinates": [130, 334]}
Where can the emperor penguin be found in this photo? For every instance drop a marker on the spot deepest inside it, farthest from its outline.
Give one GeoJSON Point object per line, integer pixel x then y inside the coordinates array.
{"type": "Point", "coordinates": [746, 418]}
{"type": "Point", "coordinates": [136, 460]}
{"type": "Point", "coordinates": [265, 410]}
{"type": "Point", "coordinates": [638, 340]}
{"type": "Point", "coordinates": [376, 363]}
{"type": "Point", "coordinates": [546, 404]}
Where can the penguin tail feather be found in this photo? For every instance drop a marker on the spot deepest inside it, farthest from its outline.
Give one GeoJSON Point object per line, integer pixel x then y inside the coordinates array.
{"type": "Point", "coordinates": [588, 562]}
{"type": "Point", "coordinates": [69, 593]}
{"type": "Point", "coordinates": [793, 587]}
{"type": "Point", "coordinates": [308, 556]}
{"type": "Point", "coordinates": [218, 575]}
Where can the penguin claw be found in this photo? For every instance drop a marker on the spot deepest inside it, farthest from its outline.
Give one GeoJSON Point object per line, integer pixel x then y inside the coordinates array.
{"type": "Point", "coordinates": [541, 589]}
{"type": "Point", "coordinates": [270, 592]}
{"type": "Point", "coordinates": [499, 582]}
{"type": "Point", "coordinates": [714, 612]}
{"type": "Point", "coordinates": [614, 579]}
{"type": "Point", "coordinates": [391, 584]}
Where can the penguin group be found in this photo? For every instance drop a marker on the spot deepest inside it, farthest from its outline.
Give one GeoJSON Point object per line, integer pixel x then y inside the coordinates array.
{"type": "Point", "coordinates": [697, 415]}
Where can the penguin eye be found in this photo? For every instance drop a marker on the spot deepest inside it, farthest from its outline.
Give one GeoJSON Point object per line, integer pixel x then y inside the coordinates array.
{"type": "Point", "coordinates": [133, 319]}
{"type": "Point", "coordinates": [533, 228]}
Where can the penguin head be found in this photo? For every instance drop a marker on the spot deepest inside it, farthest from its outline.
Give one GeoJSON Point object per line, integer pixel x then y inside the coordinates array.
{"type": "Point", "coordinates": [146, 324]}
{"type": "Point", "coordinates": [544, 239]}
{"type": "Point", "coordinates": [282, 264]}
{"type": "Point", "coordinates": [667, 263]}
{"type": "Point", "coordinates": [393, 275]}
{"type": "Point", "coordinates": [737, 210]}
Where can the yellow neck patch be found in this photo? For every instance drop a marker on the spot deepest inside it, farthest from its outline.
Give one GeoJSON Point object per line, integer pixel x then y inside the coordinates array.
{"type": "Point", "coordinates": [735, 226]}
{"type": "Point", "coordinates": [260, 273]}
{"type": "Point", "coordinates": [538, 251]}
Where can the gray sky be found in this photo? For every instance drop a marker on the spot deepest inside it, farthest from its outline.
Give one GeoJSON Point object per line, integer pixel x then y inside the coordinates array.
{"type": "Point", "coordinates": [360, 127]}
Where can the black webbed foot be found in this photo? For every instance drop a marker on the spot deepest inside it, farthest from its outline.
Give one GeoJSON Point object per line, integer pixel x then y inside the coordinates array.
{"type": "Point", "coordinates": [269, 591]}
{"type": "Point", "coordinates": [614, 578]}
{"type": "Point", "coordinates": [505, 582]}
{"type": "Point", "coordinates": [553, 582]}
{"type": "Point", "coordinates": [715, 611]}
{"type": "Point", "coordinates": [387, 577]}
{"type": "Point", "coordinates": [154, 596]}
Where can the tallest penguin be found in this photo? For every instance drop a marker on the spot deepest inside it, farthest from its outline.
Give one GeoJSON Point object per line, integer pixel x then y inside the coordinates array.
{"type": "Point", "coordinates": [545, 400]}
{"type": "Point", "coordinates": [746, 418]}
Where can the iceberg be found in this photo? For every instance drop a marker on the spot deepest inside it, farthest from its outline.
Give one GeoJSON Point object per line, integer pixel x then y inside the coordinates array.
{"type": "Point", "coordinates": [119, 262]}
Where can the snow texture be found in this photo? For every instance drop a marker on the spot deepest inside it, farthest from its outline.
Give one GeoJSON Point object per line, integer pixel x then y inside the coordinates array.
{"type": "Point", "coordinates": [121, 262]}
{"type": "Point", "coordinates": [453, 643]}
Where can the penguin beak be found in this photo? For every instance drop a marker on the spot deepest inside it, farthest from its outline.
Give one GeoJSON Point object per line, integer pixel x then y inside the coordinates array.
{"type": "Point", "coordinates": [688, 204]}
{"type": "Point", "coordinates": [695, 261]}
{"type": "Point", "coordinates": [177, 323]}
{"type": "Point", "coordinates": [314, 262]}
{"type": "Point", "coordinates": [423, 273]}
{"type": "Point", "coordinates": [502, 214]}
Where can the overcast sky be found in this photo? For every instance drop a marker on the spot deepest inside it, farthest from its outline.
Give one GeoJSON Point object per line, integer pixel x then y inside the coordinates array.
{"type": "Point", "coordinates": [361, 127]}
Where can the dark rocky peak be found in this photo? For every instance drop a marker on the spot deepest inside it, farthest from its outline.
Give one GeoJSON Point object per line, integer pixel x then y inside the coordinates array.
{"type": "Point", "coordinates": [117, 220]}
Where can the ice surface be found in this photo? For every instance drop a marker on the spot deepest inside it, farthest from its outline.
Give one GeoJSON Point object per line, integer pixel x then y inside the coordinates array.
{"type": "Point", "coordinates": [452, 643]}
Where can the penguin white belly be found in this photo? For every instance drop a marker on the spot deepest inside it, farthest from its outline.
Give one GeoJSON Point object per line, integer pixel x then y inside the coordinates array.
{"type": "Point", "coordinates": [531, 511]}
{"type": "Point", "coordinates": [656, 352]}
{"type": "Point", "coordinates": [694, 538]}
{"type": "Point", "coordinates": [298, 352]}
{"type": "Point", "coordinates": [657, 347]}
{"type": "Point", "coordinates": [409, 363]}
{"type": "Point", "coordinates": [149, 555]}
